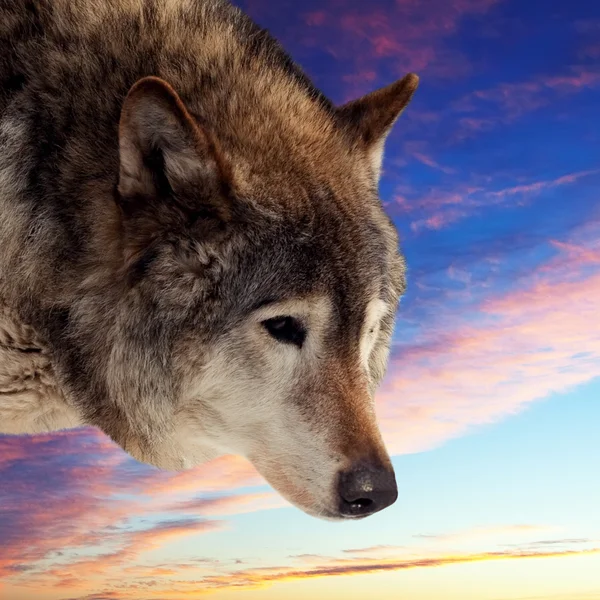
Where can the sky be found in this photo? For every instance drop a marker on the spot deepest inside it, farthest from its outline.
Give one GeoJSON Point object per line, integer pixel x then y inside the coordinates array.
{"type": "Point", "coordinates": [491, 404]}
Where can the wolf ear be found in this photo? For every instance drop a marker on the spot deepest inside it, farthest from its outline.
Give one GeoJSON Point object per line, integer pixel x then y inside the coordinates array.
{"type": "Point", "coordinates": [163, 151]}
{"type": "Point", "coordinates": [369, 119]}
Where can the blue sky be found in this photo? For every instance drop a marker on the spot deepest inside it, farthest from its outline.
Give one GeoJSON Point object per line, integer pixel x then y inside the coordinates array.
{"type": "Point", "coordinates": [491, 403]}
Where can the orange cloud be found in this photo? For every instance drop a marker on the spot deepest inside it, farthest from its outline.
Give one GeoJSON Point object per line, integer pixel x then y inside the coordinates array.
{"type": "Point", "coordinates": [517, 354]}
{"type": "Point", "coordinates": [249, 579]}
{"type": "Point", "coordinates": [258, 578]}
{"type": "Point", "coordinates": [263, 577]}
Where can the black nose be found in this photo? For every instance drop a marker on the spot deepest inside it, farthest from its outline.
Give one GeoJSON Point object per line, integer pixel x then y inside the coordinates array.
{"type": "Point", "coordinates": [366, 489]}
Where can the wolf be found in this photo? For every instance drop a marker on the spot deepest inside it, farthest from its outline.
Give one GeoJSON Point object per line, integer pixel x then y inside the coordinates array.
{"type": "Point", "coordinates": [193, 254]}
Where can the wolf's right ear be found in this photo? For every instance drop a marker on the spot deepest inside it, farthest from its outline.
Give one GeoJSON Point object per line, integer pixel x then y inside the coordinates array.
{"type": "Point", "coordinates": [164, 153]}
{"type": "Point", "coordinates": [370, 119]}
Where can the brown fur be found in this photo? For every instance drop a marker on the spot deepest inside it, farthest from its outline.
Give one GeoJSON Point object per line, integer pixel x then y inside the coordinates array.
{"type": "Point", "coordinates": [166, 169]}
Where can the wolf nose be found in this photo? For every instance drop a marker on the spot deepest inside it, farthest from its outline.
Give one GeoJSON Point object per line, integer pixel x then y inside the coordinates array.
{"type": "Point", "coordinates": [366, 489]}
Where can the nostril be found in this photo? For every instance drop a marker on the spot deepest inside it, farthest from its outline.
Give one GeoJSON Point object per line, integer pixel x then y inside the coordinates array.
{"type": "Point", "coordinates": [361, 504]}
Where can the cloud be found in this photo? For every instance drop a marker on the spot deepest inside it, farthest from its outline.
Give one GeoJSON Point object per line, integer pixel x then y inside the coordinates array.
{"type": "Point", "coordinates": [515, 348]}
{"type": "Point", "coordinates": [324, 567]}
{"type": "Point", "coordinates": [506, 102]}
{"type": "Point", "coordinates": [477, 533]}
{"type": "Point", "coordinates": [590, 51]}
{"type": "Point", "coordinates": [430, 162]}
{"type": "Point", "coordinates": [374, 549]}
{"type": "Point", "coordinates": [538, 186]}
{"type": "Point", "coordinates": [51, 484]}
{"type": "Point", "coordinates": [129, 546]}
{"type": "Point", "coordinates": [443, 207]}
{"type": "Point", "coordinates": [405, 36]}
{"type": "Point", "coordinates": [591, 595]}
{"type": "Point", "coordinates": [263, 577]}
{"type": "Point", "coordinates": [439, 220]}
{"type": "Point", "coordinates": [416, 150]}
{"type": "Point", "coordinates": [75, 490]}
{"type": "Point", "coordinates": [223, 473]}
{"type": "Point", "coordinates": [231, 504]}
{"type": "Point", "coordinates": [560, 542]}
{"type": "Point", "coordinates": [108, 595]}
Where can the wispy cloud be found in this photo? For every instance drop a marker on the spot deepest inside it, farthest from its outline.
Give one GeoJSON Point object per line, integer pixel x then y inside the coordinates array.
{"type": "Point", "coordinates": [507, 102]}
{"type": "Point", "coordinates": [477, 533]}
{"type": "Point", "coordinates": [129, 546]}
{"type": "Point", "coordinates": [444, 207]}
{"type": "Point", "coordinates": [516, 347]}
{"type": "Point", "coordinates": [263, 577]}
{"type": "Point", "coordinates": [252, 579]}
{"type": "Point", "coordinates": [537, 186]}
{"type": "Point", "coordinates": [76, 490]}
{"type": "Point", "coordinates": [231, 504]}
{"type": "Point", "coordinates": [406, 36]}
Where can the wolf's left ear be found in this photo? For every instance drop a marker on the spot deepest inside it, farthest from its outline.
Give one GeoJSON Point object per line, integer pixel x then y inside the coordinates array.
{"type": "Point", "coordinates": [369, 119]}
{"type": "Point", "coordinates": [163, 151]}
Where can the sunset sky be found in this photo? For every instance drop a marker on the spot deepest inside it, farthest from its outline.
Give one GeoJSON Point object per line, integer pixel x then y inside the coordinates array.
{"type": "Point", "coordinates": [491, 405]}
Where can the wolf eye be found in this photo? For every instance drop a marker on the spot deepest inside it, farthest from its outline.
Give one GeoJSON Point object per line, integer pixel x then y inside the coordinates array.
{"type": "Point", "coordinates": [286, 329]}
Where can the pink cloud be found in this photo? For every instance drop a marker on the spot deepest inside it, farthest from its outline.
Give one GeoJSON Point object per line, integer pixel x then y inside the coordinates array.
{"type": "Point", "coordinates": [439, 220]}
{"type": "Point", "coordinates": [417, 151]}
{"type": "Point", "coordinates": [573, 253]}
{"type": "Point", "coordinates": [590, 51]}
{"type": "Point", "coordinates": [92, 493]}
{"type": "Point", "coordinates": [445, 207]}
{"type": "Point", "coordinates": [224, 473]}
{"type": "Point", "coordinates": [489, 531]}
{"type": "Point", "coordinates": [130, 545]}
{"type": "Point", "coordinates": [410, 33]}
{"type": "Point", "coordinates": [513, 100]}
{"type": "Point", "coordinates": [263, 577]}
{"type": "Point", "coordinates": [520, 351]}
{"type": "Point", "coordinates": [542, 185]}
{"type": "Point", "coordinates": [471, 126]}
{"type": "Point", "coordinates": [436, 391]}
{"type": "Point", "coordinates": [228, 505]}
{"type": "Point", "coordinates": [316, 18]}
{"type": "Point", "coordinates": [360, 562]}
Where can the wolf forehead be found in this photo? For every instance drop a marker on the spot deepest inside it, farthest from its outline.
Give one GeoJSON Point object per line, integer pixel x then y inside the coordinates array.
{"type": "Point", "coordinates": [317, 250]}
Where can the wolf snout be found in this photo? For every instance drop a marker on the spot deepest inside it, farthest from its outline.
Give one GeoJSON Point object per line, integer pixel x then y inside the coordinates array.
{"type": "Point", "coordinates": [366, 488]}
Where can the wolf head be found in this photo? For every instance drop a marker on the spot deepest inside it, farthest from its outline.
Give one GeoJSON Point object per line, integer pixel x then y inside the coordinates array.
{"type": "Point", "coordinates": [262, 279]}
